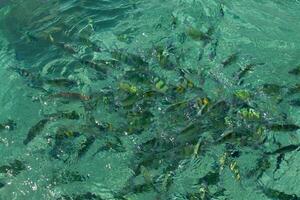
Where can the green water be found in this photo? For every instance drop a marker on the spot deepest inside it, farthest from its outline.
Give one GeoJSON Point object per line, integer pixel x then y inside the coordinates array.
{"type": "Point", "coordinates": [158, 100]}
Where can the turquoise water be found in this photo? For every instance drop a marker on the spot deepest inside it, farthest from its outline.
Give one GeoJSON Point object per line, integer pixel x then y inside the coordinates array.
{"type": "Point", "coordinates": [158, 100]}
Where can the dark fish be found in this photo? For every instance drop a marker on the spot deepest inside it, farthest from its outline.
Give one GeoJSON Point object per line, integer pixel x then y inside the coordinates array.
{"type": "Point", "coordinates": [196, 34]}
{"type": "Point", "coordinates": [212, 178]}
{"type": "Point", "coordinates": [283, 127]}
{"type": "Point", "coordinates": [33, 80]}
{"type": "Point", "coordinates": [85, 146]}
{"type": "Point", "coordinates": [295, 102]}
{"type": "Point", "coordinates": [232, 150]}
{"type": "Point", "coordinates": [61, 82]}
{"type": "Point", "coordinates": [71, 96]}
{"type": "Point", "coordinates": [31, 37]}
{"type": "Point", "coordinates": [282, 151]}
{"type": "Point", "coordinates": [2, 184]}
{"type": "Point", "coordinates": [85, 196]}
{"type": "Point", "coordinates": [221, 11]}
{"type": "Point", "coordinates": [230, 59]}
{"type": "Point", "coordinates": [176, 106]}
{"type": "Point", "coordinates": [213, 50]}
{"type": "Point", "coordinates": [274, 194]}
{"type": "Point", "coordinates": [63, 133]}
{"type": "Point", "coordinates": [202, 194]}
{"type": "Point", "coordinates": [136, 188]}
{"type": "Point", "coordinates": [36, 130]}
{"type": "Point", "coordinates": [294, 90]}
{"type": "Point", "coordinates": [63, 142]}
{"type": "Point", "coordinates": [8, 125]}
{"type": "Point", "coordinates": [243, 72]}
{"type": "Point", "coordinates": [67, 47]}
{"type": "Point", "coordinates": [117, 147]}
{"type": "Point", "coordinates": [64, 115]}
{"type": "Point", "coordinates": [279, 160]}
{"type": "Point", "coordinates": [286, 149]}
{"type": "Point", "coordinates": [129, 58]}
{"type": "Point", "coordinates": [99, 67]}
{"type": "Point", "coordinates": [24, 72]}
{"type": "Point", "coordinates": [262, 164]}
{"type": "Point", "coordinates": [295, 71]}
{"type": "Point", "coordinates": [13, 168]}
{"type": "Point", "coordinates": [271, 89]}
{"type": "Point", "coordinates": [65, 177]}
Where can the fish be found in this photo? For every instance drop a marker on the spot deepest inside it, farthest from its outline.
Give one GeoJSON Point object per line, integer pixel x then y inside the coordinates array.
{"type": "Point", "coordinates": [198, 35]}
{"type": "Point", "coordinates": [164, 58]}
{"type": "Point", "coordinates": [229, 60]}
{"type": "Point", "coordinates": [127, 87]}
{"type": "Point", "coordinates": [160, 85]}
{"type": "Point", "coordinates": [146, 175]}
{"type": "Point", "coordinates": [213, 50]}
{"type": "Point", "coordinates": [63, 133]}
{"type": "Point", "coordinates": [173, 107]}
{"type": "Point", "coordinates": [167, 181]}
{"type": "Point", "coordinates": [211, 178]}
{"type": "Point", "coordinates": [8, 125]}
{"type": "Point", "coordinates": [67, 47]}
{"type": "Point", "coordinates": [262, 164]}
{"type": "Point", "coordinates": [61, 82]}
{"type": "Point", "coordinates": [275, 194]}
{"type": "Point", "coordinates": [36, 130]}
{"type": "Point", "coordinates": [94, 65]}
{"type": "Point", "coordinates": [71, 96]}
{"type": "Point", "coordinates": [32, 77]}
{"type": "Point", "coordinates": [202, 193]}
{"type": "Point", "coordinates": [84, 196]}
{"type": "Point", "coordinates": [295, 102]}
{"type": "Point", "coordinates": [271, 89]}
{"type": "Point", "coordinates": [65, 177]}
{"type": "Point", "coordinates": [227, 135]}
{"type": "Point", "coordinates": [129, 58]}
{"type": "Point", "coordinates": [234, 168]}
{"type": "Point", "coordinates": [294, 89]}
{"type": "Point", "coordinates": [34, 80]}
{"type": "Point", "coordinates": [295, 71]}
{"type": "Point", "coordinates": [24, 72]}
{"type": "Point", "coordinates": [63, 142]}
{"type": "Point", "coordinates": [221, 11]}
{"type": "Point", "coordinates": [136, 188]}
{"type": "Point", "coordinates": [2, 184]}
{"type": "Point", "coordinates": [130, 101]}
{"type": "Point", "coordinates": [85, 146]}
{"type": "Point", "coordinates": [244, 71]}
{"type": "Point", "coordinates": [73, 115]}
{"type": "Point", "coordinates": [117, 147]}
{"type": "Point", "coordinates": [283, 127]}
{"type": "Point", "coordinates": [13, 168]}
{"type": "Point", "coordinates": [286, 149]}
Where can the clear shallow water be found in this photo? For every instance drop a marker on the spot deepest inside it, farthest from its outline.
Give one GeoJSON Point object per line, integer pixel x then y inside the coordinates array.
{"type": "Point", "coordinates": [149, 99]}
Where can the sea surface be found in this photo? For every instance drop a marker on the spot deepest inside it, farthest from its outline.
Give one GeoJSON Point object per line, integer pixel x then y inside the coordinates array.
{"type": "Point", "coordinates": [149, 100]}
